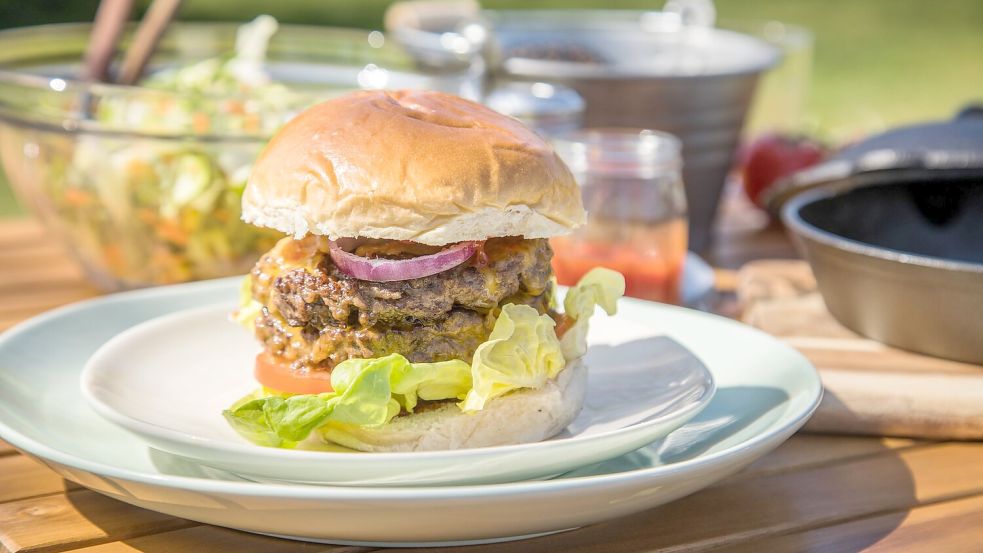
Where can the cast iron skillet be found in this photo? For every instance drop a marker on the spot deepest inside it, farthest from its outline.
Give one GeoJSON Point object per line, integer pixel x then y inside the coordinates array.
{"type": "Point", "coordinates": [897, 250]}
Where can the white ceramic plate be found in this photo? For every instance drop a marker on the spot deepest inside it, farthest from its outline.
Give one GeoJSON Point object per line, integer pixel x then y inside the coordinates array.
{"type": "Point", "coordinates": [765, 391]}
{"type": "Point", "coordinates": [169, 379]}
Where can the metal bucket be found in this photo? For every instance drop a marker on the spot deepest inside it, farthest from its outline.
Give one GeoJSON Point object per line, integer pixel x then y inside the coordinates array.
{"type": "Point", "coordinates": [645, 69]}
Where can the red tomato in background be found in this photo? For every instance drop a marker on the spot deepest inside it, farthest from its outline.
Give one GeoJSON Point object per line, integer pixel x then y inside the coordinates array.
{"type": "Point", "coordinates": [772, 157]}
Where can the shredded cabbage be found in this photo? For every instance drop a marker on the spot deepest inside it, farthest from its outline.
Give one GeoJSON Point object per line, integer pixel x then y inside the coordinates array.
{"type": "Point", "coordinates": [239, 77]}
{"type": "Point", "coordinates": [149, 211]}
{"type": "Point", "coordinates": [522, 351]}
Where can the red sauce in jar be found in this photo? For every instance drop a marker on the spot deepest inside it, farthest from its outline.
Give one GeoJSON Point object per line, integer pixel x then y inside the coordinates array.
{"type": "Point", "coordinates": [652, 267]}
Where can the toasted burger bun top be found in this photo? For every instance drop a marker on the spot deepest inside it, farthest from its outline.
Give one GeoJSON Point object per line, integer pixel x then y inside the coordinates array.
{"type": "Point", "coordinates": [410, 165]}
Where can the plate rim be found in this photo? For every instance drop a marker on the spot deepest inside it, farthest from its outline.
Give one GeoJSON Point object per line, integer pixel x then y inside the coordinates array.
{"type": "Point", "coordinates": [40, 450]}
{"type": "Point", "coordinates": [139, 426]}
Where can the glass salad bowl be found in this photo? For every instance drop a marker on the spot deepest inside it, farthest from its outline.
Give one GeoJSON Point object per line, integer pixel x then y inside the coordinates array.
{"type": "Point", "coordinates": [144, 183]}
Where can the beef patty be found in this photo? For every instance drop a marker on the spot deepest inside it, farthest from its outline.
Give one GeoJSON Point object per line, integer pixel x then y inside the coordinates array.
{"type": "Point", "coordinates": [456, 337]}
{"type": "Point", "coordinates": [315, 316]}
{"type": "Point", "coordinates": [326, 296]}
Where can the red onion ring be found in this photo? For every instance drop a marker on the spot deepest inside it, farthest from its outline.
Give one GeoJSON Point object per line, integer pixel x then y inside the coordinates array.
{"type": "Point", "coordinates": [390, 270]}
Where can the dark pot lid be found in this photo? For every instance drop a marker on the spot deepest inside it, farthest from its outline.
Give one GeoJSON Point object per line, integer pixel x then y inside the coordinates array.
{"type": "Point", "coordinates": [941, 149]}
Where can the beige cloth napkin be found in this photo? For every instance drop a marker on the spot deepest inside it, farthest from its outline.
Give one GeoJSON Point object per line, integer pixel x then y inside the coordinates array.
{"type": "Point", "coordinates": [871, 388]}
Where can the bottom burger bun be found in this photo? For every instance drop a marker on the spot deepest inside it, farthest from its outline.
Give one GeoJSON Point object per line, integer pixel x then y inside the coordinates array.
{"type": "Point", "coordinates": [523, 416]}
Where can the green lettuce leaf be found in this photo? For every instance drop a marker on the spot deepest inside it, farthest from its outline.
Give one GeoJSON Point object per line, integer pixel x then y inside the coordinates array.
{"type": "Point", "coordinates": [431, 381]}
{"type": "Point", "coordinates": [521, 352]}
{"type": "Point", "coordinates": [249, 419]}
{"type": "Point", "coordinates": [249, 308]}
{"type": "Point", "coordinates": [601, 287]}
{"type": "Point", "coordinates": [367, 392]}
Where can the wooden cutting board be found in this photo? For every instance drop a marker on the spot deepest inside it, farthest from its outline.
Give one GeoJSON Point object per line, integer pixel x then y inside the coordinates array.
{"type": "Point", "coordinates": [871, 388]}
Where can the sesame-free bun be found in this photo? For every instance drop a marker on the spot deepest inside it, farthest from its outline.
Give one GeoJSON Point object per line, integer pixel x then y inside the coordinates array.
{"type": "Point", "coordinates": [410, 165]}
{"type": "Point", "coordinates": [522, 416]}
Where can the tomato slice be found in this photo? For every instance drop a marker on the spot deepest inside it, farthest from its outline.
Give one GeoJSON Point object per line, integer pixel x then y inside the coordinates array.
{"type": "Point", "coordinates": [275, 374]}
{"type": "Point", "coordinates": [563, 323]}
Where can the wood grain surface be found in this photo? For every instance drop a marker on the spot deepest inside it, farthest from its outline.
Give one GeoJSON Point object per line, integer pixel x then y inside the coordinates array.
{"type": "Point", "coordinates": [871, 388]}
{"type": "Point", "coordinates": [814, 493]}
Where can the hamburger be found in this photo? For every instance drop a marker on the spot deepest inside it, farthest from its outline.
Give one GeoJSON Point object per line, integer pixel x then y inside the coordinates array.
{"type": "Point", "coordinates": [412, 304]}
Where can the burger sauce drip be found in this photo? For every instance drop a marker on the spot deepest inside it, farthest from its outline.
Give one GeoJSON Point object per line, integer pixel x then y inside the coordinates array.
{"type": "Point", "coordinates": [299, 251]}
{"type": "Point", "coordinates": [480, 257]}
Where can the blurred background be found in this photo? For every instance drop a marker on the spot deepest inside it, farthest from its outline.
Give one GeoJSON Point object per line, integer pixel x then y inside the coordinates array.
{"type": "Point", "coordinates": [876, 63]}
{"type": "Point", "coordinates": [154, 173]}
{"type": "Point", "coordinates": [692, 126]}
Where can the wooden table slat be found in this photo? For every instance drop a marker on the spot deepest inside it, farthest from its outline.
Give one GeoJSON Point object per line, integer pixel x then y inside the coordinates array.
{"type": "Point", "coordinates": [815, 450]}
{"type": "Point", "coordinates": [6, 449]}
{"type": "Point", "coordinates": [754, 509]}
{"type": "Point", "coordinates": [66, 521]}
{"type": "Point", "coordinates": [212, 539]}
{"type": "Point", "coordinates": [890, 361]}
{"type": "Point", "coordinates": [21, 477]}
{"type": "Point", "coordinates": [41, 298]}
{"type": "Point", "coordinates": [59, 275]}
{"type": "Point", "coordinates": [18, 232]}
{"type": "Point", "coordinates": [940, 527]}
{"type": "Point", "coordinates": [33, 254]}
{"type": "Point", "coordinates": [804, 450]}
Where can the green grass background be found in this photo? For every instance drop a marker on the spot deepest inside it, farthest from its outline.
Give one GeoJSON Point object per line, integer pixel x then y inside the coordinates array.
{"type": "Point", "coordinates": [877, 63]}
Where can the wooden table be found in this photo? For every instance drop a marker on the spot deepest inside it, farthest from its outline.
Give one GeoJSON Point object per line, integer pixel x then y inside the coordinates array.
{"type": "Point", "coordinates": [815, 493]}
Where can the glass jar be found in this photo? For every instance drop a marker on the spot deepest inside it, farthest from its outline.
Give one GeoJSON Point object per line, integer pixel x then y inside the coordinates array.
{"type": "Point", "coordinates": [633, 192]}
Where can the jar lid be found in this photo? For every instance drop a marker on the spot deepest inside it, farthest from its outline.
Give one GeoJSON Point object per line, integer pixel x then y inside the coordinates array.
{"type": "Point", "coordinates": [533, 101]}
{"type": "Point", "coordinates": [620, 151]}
